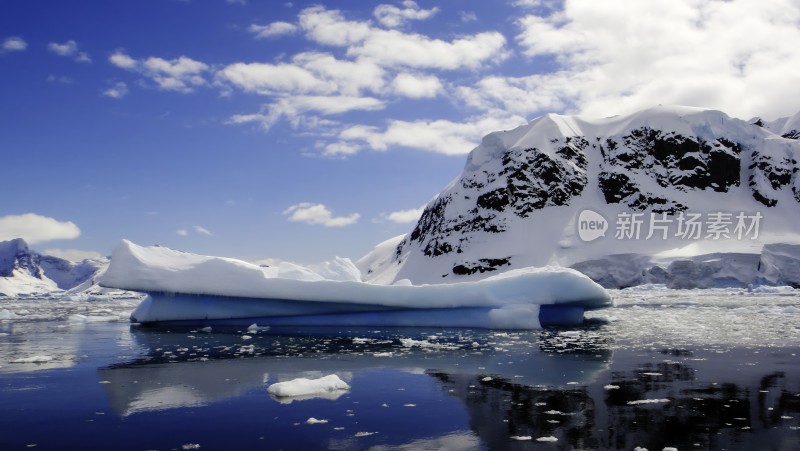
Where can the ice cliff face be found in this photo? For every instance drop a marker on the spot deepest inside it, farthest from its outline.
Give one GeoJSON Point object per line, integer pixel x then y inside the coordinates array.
{"type": "Point", "coordinates": [517, 200]}
{"type": "Point", "coordinates": [24, 271]}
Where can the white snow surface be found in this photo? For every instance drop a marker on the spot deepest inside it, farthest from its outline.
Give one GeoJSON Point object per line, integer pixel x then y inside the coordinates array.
{"type": "Point", "coordinates": [160, 269]}
{"type": "Point", "coordinates": [302, 387]}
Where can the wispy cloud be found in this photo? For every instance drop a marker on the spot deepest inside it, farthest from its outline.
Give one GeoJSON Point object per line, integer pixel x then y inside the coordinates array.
{"type": "Point", "coordinates": [318, 214]}
{"type": "Point", "coordinates": [35, 228]}
{"type": "Point", "coordinates": [69, 49]}
{"type": "Point", "coordinates": [273, 29]}
{"type": "Point", "coordinates": [202, 230]}
{"type": "Point", "coordinates": [392, 16]}
{"type": "Point", "coordinates": [73, 255]}
{"type": "Point", "coordinates": [180, 74]}
{"type": "Point", "coordinates": [118, 91]}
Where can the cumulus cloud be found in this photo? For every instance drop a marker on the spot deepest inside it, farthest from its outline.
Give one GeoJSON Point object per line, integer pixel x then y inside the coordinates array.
{"type": "Point", "coordinates": [440, 136]}
{"type": "Point", "coordinates": [69, 49]}
{"type": "Point", "coordinates": [273, 29]}
{"type": "Point", "coordinates": [621, 55]}
{"type": "Point", "coordinates": [416, 86]}
{"type": "Point", "coordinates": [35, 228]}
{"type": "Point", "coordinates": [13, 44]}
{"type": "Point", "coordinates": [73, 255]}
{"type": "Point", "coordinates": [392, 48]}
{"type": "Point", "coordinates": [118, 91]}
{"type": "Point", "coordinates": [405, 216]}
{"type": "Point", "coordinates": [318, 214]}
{"type": "Point", "coordinates": [392, 16]}
{"type": "Point", "coordinates": [181, 74]}
{"type": "Point", "coordinates": [308, 73]}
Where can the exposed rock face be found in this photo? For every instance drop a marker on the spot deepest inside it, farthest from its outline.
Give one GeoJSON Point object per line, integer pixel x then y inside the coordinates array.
{"type": "Point", "coordinates": [664, 160]}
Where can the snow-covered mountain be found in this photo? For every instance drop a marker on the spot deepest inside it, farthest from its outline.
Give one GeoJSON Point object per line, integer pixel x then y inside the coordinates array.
{"type": "Point", "coordinates": [26, 272]}
{"type": "Point", "coordinates": [640, 192]}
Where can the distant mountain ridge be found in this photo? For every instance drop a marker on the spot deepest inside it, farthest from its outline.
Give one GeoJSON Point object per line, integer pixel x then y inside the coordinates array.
{"type": "Point", "coordinates": [26, 272]}
{"type": "Point", "coordinates": [518, 198]}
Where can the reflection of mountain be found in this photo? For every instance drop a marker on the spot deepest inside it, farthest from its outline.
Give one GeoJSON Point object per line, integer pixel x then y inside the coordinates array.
{"type": "Point", "coordinates": [656, 405]}
{"type": "Point", "coordinates": [183, 370]}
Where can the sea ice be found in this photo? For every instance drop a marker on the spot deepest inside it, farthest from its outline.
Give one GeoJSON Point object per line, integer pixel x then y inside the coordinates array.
{"type": "Point", "coordinates": [301, 387]}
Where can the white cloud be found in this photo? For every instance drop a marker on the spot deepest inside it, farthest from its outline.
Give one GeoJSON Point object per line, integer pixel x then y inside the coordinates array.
{"type": "Point", "coordinates": [308, 73]}
{"type": "Point", "coordinates": [405, 216]}
{"type": "Point", "coordinates": [73, 255]}
{"type": "Point", "coordinates": [118, 91]}
{"type": "Point", "coordinates": [468, 16]}
{"type": "Point", "coordinates": [341, 149]}
{"type": "Point", "coordinates": [620, 55]}
{"type": "Point", "coordinates": [181, 74]}
{"type": "Point", "coordinates": [273, 29]}
{"type": "Point", "coordinates": [440, 136]}
{"type": "Point", "coordinates": [182, 232]}
{"type": "Point", "coordinates": [202, 230]}
{"type": "Point", "coordinates": [13, 44]}
{"type": "Point", "coordinates": [59, 79]}
{"type": "Point", "coordinates": [294, 108]}
{"type": "Point", "coordinates": [391, 16]}
{"type": "Point", "coordinates": [318, 214]}
{"type": "Point", "coordinates": [237, 2]}
{"type": "Point", "coordinates": [392, 48]}
{"type": "Point", "coordinates": [35, 228]}
{"type": "Point", "coordinates": [416, 86]}
{"type": "Point", "coordinates": [69, 49]}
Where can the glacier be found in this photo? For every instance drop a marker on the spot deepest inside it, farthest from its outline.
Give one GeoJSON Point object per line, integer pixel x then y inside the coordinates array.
{"type": "Point", "coordinates": [190, 289]}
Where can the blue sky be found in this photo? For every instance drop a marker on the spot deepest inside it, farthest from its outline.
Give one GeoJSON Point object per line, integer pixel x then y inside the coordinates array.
{"type": "Point", "coordinates": [303, 130]}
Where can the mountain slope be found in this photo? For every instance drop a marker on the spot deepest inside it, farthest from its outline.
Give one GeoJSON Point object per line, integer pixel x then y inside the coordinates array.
{"type": "Point", "coordinates": [519, 199]}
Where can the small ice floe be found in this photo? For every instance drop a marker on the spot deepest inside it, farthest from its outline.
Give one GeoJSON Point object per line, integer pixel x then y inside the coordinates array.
{"type": "Point", "coordinates": [190, 446]}
{"type": "Point", "coordinates": [363, 434]}
{"type": "Point", "coordinates": [486, 379]}
{"type": "Point", "coordinates": [555, 412]}
{"type": "Point", "coordinates": [206, 329]}
{"type": "Point", "coordinates": [669, 448]}
{"type": "Point", "coordinates": [521, 437]}
{"type": "Point", "coordinates": [302, 388]}
{"type": "Point", "coordinates": [246, 337]}
{"type": "Point", "coordinates": [409, 405]}
{"type": "Point", "coordinates": [255, 328]}
{"type": "Point", "coordinates": [313, 420]}
{"type": "Point", "coordinates": [547, 439]}
{"type": "Point", "coordinates": [652, 374]}
{"type": "Point", "coordinates": [383, 354]}
{"type": "Point", "coordinates": [647, 401]}
{"type": "Point", "coordinates": [104, 382]}
{"type": "Point", "coordinates": [611, 387]}
{"type": "Point", "coordinates": [33, 359]}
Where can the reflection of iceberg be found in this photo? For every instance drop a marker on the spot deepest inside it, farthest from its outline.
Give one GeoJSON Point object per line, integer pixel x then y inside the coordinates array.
{"type": "Point", "coordinates": [193, 289]}
{"type": "Point", "coordinates": [164, 379]}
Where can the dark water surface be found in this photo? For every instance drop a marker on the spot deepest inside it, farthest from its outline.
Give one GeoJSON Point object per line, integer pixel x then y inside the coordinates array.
{"type": "Point", "coordinates": [680, 369]}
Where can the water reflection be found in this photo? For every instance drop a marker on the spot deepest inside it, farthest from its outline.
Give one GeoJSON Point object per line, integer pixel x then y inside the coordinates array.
{"type": "Point", "coordinates": [191, 368]}
{"type": "Point", "coordinates": [577, 387]}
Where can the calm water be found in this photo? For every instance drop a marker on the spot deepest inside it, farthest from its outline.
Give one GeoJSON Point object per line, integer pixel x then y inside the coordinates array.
{"type": "Point", "coordinates": [682, 369]}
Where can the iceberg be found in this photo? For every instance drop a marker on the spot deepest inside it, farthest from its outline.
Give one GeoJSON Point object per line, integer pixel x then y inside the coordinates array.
{"type": "Point", "coordinates": [195, 290]}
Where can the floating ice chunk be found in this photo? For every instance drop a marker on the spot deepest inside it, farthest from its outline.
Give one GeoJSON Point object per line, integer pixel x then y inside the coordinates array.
{"type": "Point", "coordinates": [246, 337]}
{"type": "Point", "coordinates": [303, 387]}
{"type": "Point", "coordinates": [486, 379]}
{"type": "Point", "coordinates": [547, 439]}
{"type": "Point", "coordinates": [647, 401]}
{"type": "Point", "coordinates": [611, 387]}
{"type": "Point", "coordinates": [364, 434]}
{"type": "Point", "coordinates": [202, 289]}
{"type": "Point", "coordinates": [206, 329]}
{"type": "Point", "coordinates": [33, 359]}
{"type": "Point", "coordinates": [521, 437]}
{"type": "Point", "coordinates": [190, 446]}
{"type": "Point", "coordinates": [313, 420]}
{"type": "Point", "coordinates": [669, 448]}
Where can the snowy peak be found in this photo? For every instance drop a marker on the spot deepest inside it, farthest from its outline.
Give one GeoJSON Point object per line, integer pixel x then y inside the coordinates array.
{"type": "Point", "coordinates": [16, 257]}
{"type": "Point", "coordinates": [516, 201]}
{"type": "Point", "coordinates": [24, 271]}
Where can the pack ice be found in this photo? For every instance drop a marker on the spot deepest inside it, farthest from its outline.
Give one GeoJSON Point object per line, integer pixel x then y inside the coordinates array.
{"type": "Point", "coordinates": [192, 289]}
